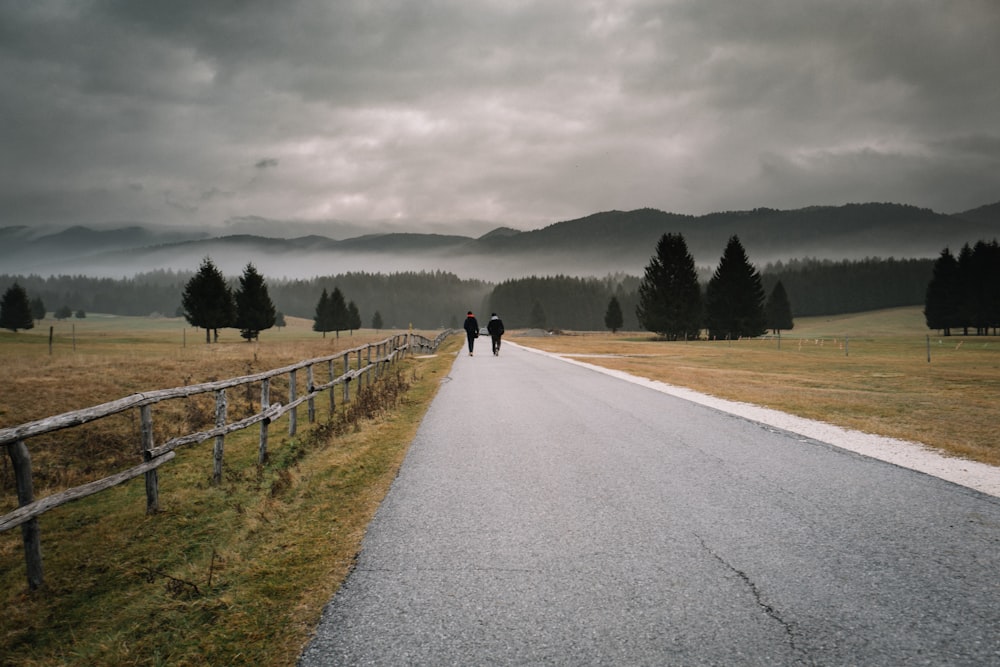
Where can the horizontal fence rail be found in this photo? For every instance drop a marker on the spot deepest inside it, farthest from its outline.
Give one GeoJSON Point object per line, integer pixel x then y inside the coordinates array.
{"type": "Point", "coordinates": [359, 367]}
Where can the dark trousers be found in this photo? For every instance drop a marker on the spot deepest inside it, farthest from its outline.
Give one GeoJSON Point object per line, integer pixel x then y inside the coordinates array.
{"type": "Point", "coordinates": [496, 344]}
{"type": "Point", "coordinates": [472, 339]}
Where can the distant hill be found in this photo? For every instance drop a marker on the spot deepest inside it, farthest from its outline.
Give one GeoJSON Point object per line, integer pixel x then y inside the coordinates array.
{"type": "Point", "coordinates": [595, 245]}
{"type": "Point", "coordinates": [988, 214]}
{"type": "Point", "coordinates": [24, 250]}
{"type": "Point", "coordinates": [500, 232]}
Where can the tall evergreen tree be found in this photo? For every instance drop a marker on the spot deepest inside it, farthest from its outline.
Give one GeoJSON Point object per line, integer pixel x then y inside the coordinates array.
{"type": "Point", "coordinates": [340, 316]}
{"type": "Point", "coordinates": [735, 296]}
{"type": "Point", "coordinates": [377, 321]}
{"type": "Point", "coordinates": [992, 282]}
{"type": "Point", "coordinates": [942, 306]}
{"type": "Point", "coordinates": [613, 317]}
{"type": "Point", "coordinates": [353, 317]}
{"type": "Point", "coordinates": [966, 289]}
{"type": "Point", "coordinates": [323, 320]}
{"type": "Point", "coordinates": [208, 301]}
{"type": "Point", "coordinates": [982, 286]}
{"type": "Point", "coordinates": [254, 308]}
{"type": "Point", "coordinates": [778, 309]}
{"type": "Point", "coordinates": [669, 295]}
{"type": "Point", "coordinates": [15, 309]}
{"type": "Point", "coordinates": [38, 308]}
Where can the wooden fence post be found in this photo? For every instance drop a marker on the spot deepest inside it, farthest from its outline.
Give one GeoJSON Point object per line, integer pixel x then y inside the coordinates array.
{"type": "Point", "coordinates": [265, 403]}
{"type": "Point", "coordinates": [368, 363]}
{"type": "Point", "coordinates": [309, 388]}
{"type": "Point", "coordinates": [220, 440]}
{"type": "Point", "coordinates": [333, 389]}
{"type": "Point", "coordinates": [21, 460]}
{"type": "Point", "coordinates": [347, 381]}
{"type": "Point", "coordinates": [361, 378]}
{"type": "Point", "coordinates": [293, 413]}
{"type": "Point", "coordinates": [152, 478]}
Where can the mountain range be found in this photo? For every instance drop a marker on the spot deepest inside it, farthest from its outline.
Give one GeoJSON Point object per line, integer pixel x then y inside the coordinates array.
{"type": "Point", "coordinates": [595, 245]}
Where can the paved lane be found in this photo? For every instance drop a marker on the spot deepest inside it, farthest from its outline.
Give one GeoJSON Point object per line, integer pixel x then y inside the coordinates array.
{"type": "Point", "coordinates": [549, 514]}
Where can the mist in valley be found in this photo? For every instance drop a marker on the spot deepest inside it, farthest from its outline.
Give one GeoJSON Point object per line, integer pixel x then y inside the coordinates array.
{"type": "Point", "coordinates": [284, 263]}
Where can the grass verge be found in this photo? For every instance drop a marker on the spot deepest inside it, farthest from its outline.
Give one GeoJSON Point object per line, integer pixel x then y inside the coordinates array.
{"type": "Point", "coordinates": [235, 574]}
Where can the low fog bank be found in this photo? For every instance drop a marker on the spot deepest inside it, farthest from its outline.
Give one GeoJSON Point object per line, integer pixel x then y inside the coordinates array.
{"type": "Point", "coordinates": [305, 264]}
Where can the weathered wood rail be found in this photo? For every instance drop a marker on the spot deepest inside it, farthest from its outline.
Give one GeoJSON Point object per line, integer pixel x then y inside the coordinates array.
{"type": "Point", "coordinates": [359, 366]}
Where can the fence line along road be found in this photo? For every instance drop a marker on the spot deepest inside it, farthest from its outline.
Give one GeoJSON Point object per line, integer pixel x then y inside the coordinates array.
{"type": "Point", "coordinates": [358, 364]}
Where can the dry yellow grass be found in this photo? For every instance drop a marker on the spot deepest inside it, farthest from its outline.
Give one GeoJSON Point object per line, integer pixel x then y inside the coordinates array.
{"type": "Point", "coordinates": [867, 372]}
{"type": "Point", "coordinates": [235, 573]}
{"type": "Point", "coordinates": [101, 359]}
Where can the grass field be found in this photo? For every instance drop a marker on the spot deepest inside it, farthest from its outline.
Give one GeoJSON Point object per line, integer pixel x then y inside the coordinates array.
{"type": "Point", "coordinates": [234, 574]}
{"type": "Point", "coordinates": [867, 371]}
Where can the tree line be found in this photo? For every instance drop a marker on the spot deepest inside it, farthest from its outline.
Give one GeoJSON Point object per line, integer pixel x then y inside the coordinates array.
{"type": "Point", "coordinates": [964, 292]}
{"type": "Point", "coordinates": [825, 287]}
{"type": "Point", "coordinates": [427, 300]}
{"type": "Point", "coordinates": [430, 300]}
{"type": "Point", "coordinates": [563, 302]}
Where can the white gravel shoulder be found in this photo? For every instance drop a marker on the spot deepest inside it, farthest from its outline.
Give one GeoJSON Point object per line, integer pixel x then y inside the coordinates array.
{"type": "Point", "coordinates": [913, 455]}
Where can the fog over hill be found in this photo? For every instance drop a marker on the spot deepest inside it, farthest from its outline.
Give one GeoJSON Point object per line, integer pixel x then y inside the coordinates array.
{"type": "Point", "coordinates": [596, 245]}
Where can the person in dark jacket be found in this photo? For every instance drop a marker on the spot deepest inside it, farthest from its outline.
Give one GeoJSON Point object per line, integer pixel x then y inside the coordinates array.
{"type": "Point", "coordinates": [495, 327]}
{"type": "Point", "coordinates": [471, 330]}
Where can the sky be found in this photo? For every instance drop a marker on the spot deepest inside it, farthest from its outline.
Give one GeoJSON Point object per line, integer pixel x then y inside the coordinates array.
{"type": "Point", "coordinates": [459, 116]}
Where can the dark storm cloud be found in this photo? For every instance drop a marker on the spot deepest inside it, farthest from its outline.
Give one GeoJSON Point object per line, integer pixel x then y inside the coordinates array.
{"type": "Point", "coordinates": [521, 113]}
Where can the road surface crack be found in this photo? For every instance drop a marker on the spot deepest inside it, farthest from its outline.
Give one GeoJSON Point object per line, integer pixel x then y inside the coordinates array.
{"type": "Point", "coordinates": [755, 592]}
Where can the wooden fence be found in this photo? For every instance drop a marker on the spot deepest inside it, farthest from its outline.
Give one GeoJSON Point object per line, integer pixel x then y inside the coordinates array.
{"type": "Point", "coordinates": [366, 368]}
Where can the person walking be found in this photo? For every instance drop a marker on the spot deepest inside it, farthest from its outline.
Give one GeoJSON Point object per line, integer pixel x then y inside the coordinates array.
{"type": "Point", "coordinates": [471, 330]}
{"type": "Point", "coordinates": [495, 327]}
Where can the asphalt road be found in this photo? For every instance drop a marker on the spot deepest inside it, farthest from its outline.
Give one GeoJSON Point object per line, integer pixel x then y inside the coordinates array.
{"type": "Point", "coordinates": [547, 514]}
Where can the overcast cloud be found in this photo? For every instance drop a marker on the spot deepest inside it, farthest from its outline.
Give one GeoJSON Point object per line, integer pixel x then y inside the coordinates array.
{"type": "Point", "coordinates": [467, 114]}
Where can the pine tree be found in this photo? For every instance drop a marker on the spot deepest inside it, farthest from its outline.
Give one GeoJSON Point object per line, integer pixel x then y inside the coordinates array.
{"type": "Point", "coordinates": [613, 317]}
{"type": "Point", "coordinates": [966, 290]}
{"type": "Point", "coordinates": [377, 321]}
{"type": "Point", "coordinates": [983, 286]}
{"type": "Point", "coordinates": [778, 310]}
{"type": "Point", "coordinates": [254, 308]}
{"type": "Point", "coordinates": [669, 295]}
{"type": "Point", "coordinates": [15, 309]}
{"type": "Point", "coordinates": [942, 303]}
{"type": "Point", "coordinates": [323, 320]}
{"type": "Point", "coordinates": [340, 317]}
{"type": "Point", "coordinates": [38, 308]}
{"type": "Point", "coordinates": [735, 296]}
{"type": "Point", "coordinates": [992, 282]}
{"type": "Point", "coordinates": [208, 301]}
{"type": "Point", "coordinates": [353, 317]}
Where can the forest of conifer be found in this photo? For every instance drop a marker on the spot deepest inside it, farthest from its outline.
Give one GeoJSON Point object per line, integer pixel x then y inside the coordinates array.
{"type": "Point", "coordinates": [431, 300]}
